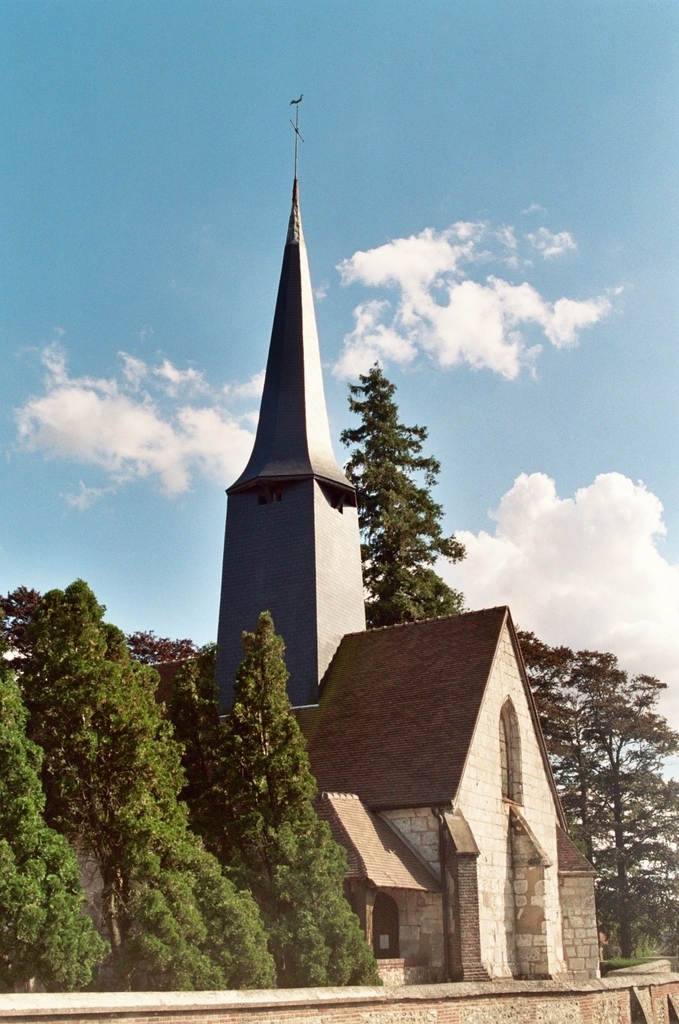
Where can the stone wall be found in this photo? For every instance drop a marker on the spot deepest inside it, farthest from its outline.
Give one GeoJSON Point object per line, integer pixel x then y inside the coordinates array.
{"type": "Point", "coordinates": [420, 931]}
{"type": "Point", "coordinates": [522, 929]}
{"type": "Point", "coordinates": [420, 830]}
{"type": "Point", "coordinates": [580, 937]}
{"type": "Point", "coordinates": [398, 971]}
{"type": "Point", "coordinates": [642, 999]}
{"type": "Point", "coordinates": [488, 815]}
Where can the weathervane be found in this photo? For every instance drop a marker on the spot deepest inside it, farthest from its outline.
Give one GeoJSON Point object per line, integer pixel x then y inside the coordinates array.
{"type": "Point", "coordinates": [295, 125]}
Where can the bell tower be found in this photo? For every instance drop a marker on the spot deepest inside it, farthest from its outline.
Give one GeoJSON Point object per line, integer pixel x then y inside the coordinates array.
{"type": "Point", "coordinates": [292, 544]}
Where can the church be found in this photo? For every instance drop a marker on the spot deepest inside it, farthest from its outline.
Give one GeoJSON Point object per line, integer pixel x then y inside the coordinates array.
{"type": "Point", "coordinates": [424, 739]}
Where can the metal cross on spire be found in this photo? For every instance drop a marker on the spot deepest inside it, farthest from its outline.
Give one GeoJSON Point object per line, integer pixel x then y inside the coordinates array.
{"type": "Point", "coordinates": [295, 125]}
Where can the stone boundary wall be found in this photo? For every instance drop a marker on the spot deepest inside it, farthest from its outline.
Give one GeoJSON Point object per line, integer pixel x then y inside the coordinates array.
{"type": "Point", "coordinates": [638, 999]}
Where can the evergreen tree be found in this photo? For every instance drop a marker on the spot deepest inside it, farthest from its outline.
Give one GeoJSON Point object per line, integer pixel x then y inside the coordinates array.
{"type": "Point", "coordinates": [112, 774]}
{"type": "Point", "coordinates": [44, 930]}
{"type": "Point", "coordinates": [280, 849]}
{"type": "Point", "coordinates": [194, 712]}
{"type": "Point", "coordinates": [609, 747]}
{"type": "Point", "coordinates": [400, 521]}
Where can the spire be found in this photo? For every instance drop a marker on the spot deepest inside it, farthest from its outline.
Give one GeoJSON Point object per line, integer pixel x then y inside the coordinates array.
{"type": "Point", "coordinates": [293, 437]}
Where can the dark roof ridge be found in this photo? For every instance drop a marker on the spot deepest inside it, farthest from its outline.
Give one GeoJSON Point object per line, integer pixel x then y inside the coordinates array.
{"type": "Point", "coordinates": [433, 618]}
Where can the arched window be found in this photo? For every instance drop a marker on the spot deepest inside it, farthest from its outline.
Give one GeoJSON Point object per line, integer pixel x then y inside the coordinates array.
{"type": "Point", "coordinates": [510, 754]}
{"type": "Point", "coordinates": [385, 927]}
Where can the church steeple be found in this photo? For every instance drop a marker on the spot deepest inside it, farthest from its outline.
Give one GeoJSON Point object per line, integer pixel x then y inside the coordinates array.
{"type": "Point", "coordinates": [292, 543]}
{"type": "Point", "coordinates": [293, 437]}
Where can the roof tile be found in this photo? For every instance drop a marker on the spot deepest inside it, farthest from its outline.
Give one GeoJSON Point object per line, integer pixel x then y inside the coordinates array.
{"type": "Point", "coordinates": [398, 709]}
{"type": "Point", "coordinates": [374, 850]}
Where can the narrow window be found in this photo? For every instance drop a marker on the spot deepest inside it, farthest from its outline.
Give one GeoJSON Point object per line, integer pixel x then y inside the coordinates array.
{"type": "Point", "coordinates": [510, 754]}
{"type": "Point", "coordinates": [504, 758]}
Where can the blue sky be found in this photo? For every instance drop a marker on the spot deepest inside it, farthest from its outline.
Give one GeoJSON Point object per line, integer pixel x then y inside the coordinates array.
{"type": "Point", "coordinates": [490, 206]}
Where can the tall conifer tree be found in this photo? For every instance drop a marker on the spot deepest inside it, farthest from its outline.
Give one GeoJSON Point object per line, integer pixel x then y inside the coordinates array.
{"type": "Point", "coordinates": [112, 773]}
{"type": "Point", "coordinates": [44, 931]}
{"type": "Point", "coordinates": [400, 521]}
{"type": "Point", "coordinates": [279, 847]}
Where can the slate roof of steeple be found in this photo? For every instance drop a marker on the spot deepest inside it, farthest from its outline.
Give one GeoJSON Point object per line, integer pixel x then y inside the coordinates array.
{"type": "Point", "coordinates": [293, 437]}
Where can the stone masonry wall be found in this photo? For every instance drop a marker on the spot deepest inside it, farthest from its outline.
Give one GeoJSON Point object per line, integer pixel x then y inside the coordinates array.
{"type": "Point", "coordinates": [420, 930]}
{"type": "Point", "coordinates": [480, 800]}
{"type": "Point", "coordinates": [580, 937]}
{"type": "Point", "coordinates": [642, 999]}
{"type": "Point", "coordinates": [420, 829]}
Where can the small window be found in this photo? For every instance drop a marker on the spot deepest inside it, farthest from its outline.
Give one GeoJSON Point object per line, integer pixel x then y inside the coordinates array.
{"type": "Point", "coordinates": [266, 495]}
{"type": "Point", "coordinates": [504, 758]}
{"type": "Point", "coordinates": [510, 754]}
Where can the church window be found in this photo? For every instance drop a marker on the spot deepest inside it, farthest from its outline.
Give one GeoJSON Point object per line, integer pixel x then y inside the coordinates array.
{"type": "Point", "coordinates": [504, 757]}
{"type": "Point", "coordinates": [510, 754]}
{"type": "Point", "coordinates": [266, 495]}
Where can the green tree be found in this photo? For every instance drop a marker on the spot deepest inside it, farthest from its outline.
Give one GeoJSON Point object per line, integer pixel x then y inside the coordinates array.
{"type": "Point", "coordinates": [280, 849]}
{"type": "Point", "coordinates": [609, 747]}
{"type": "Point", "coordinates": [18, 607]}
{"type": "Point", "coordinates": [400, 521]}
{"type": "Point", "coordinates": [112, 773]}
{"type": "Point", "coordinates": [194, 712]}
{"type": "Point", "coordinates": [44, 930]}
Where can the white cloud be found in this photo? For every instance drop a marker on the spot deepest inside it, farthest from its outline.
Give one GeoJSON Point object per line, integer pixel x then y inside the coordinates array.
{"type": "Point", "coordinates": [250, 389]}
{"type": "Point", "coordinates": [583, 571]}
{"type": "Point", "coordinates": [86, 496]}
{"type": "Point", "coordinates": [551, 245]}
{"type": "Point", "coordinates": [130, 431]}
{"type": "Point", "coordinates": [173, 380]}
{"type": "Point", "coordinates": [371, 340]}
{"type": "Point", "coordinates": [442, 311]}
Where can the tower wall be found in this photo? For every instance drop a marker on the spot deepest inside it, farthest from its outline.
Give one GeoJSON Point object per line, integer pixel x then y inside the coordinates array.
{"type": "Point", "coordinates": [339, 582]}
{"type": "Point", "coordinates": [298, 558]}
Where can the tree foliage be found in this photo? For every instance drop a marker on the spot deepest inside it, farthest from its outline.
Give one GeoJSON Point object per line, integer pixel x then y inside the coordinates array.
{"type": "Point", "coordinates": [44, 930]}
{"type": "Point", "coordinates": [261, 787]}
{"type": "Point", "coordinates": [400, 521]}
{"type": "Point", "coordinates": [608, 747]}
{"type": "Point", "coordinates": [112, 774]}
{"type": "Point", "coordinates": [194, 712]}
{"type": "Point", "coordinates": [18, 607]}
{"type": "Point", "coordinates": [154, 650]}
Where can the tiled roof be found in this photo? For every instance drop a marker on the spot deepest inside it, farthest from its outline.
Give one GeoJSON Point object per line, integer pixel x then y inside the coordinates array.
{"type": "Point", "coordinates": [307, 716]}
{"type": "Point", "coordinates": [374, 850]}
{"type": "Point", "coordinates": [571, 861]}
{"type": "Point", "coordinates": [398, 709]}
